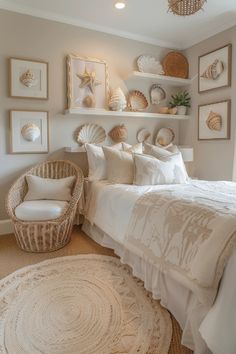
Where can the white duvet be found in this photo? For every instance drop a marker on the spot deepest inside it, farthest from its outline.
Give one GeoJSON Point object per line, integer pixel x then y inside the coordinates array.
{"type": "Point", "coordinates": [110, 208]}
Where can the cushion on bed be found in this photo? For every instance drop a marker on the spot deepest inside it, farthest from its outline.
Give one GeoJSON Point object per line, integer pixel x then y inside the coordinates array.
{"type": "Point", "coordinates": [120, 166]}
{"type": "Point", "coordinates": [49, 188]}
{"type": "Point", "coordinates": [149, 170]}
{"type": "Point", "coordinates": [97, 161]}
{"type": "Point", "coordinates": [138, 148]}
{"type": "Point", "coordinates": [159, 152]}
{"type": "Point", "coordinates": [40, 210]}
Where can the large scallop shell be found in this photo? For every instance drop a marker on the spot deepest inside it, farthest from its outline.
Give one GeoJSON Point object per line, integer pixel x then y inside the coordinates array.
{"type": "Point", "coordinates": [214, 70]}
{"type": "Point", "coordinates": [137, 101]}
{"type": "Point", "coordinates": [164, 137]}
{"type": "Point", "coordinates": [157, 94]}
{"type": "Point", "coordinates": [30, 132]}
{"type": "Point", "coordinates": [214, 121]}
{"type": "Point", "coordinates": [91, 133]}
{"type": "Point", "coordinates": [117, 101]}
{"type": "Point", "coordinates": [28, 79]}
{"type": "Point", "coordinates": [119, 133]}
{"type": "Point", "coordinates": [149, 64]}
{"type": "Point", "coordinates": [143, 135]}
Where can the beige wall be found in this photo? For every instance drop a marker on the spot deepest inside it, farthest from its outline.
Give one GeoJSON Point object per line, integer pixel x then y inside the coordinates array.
{"type": "Point", "coordinates": [29, 37]}
{"type": "Point", "coordinates": [214, 160]}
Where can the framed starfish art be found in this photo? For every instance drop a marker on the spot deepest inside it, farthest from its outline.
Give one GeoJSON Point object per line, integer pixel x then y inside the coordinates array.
{"type": "Point", "coordinates": [87, 83]}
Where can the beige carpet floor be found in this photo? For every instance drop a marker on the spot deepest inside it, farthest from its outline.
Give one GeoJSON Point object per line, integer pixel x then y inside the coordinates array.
{"type": "Point", "coordinates": [12, 258]}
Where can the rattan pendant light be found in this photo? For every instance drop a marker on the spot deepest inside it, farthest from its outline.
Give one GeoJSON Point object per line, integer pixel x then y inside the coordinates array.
{"type": "Point", "coordinates": [185, 7]}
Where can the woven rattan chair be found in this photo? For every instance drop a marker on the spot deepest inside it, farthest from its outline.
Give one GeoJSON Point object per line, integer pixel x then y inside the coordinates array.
{"type": "Point", "coordinates": [45, 236]}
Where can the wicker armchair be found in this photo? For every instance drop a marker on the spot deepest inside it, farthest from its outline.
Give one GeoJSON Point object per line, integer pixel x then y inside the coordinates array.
{"type": "Point", "coordinates": [45, 236]}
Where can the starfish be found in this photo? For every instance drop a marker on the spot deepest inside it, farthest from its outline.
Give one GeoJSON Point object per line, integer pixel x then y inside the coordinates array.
{"type": "Point", "coordinates": [88, 79]}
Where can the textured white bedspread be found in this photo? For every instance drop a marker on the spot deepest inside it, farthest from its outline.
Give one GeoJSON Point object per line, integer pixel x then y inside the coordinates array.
{"type": "Point", "coordinates": [110, 208]}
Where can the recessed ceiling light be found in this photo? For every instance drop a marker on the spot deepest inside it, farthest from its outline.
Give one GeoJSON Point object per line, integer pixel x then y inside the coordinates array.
{"type": "Point", "coordinates": [120, 4]}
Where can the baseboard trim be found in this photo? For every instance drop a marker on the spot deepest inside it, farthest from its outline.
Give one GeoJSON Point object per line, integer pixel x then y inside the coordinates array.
{"type": "Point", "coordinates": [6, 227]}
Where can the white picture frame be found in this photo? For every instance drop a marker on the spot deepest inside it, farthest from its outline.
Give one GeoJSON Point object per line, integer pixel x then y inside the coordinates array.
{"type": "Point", "coordinates": [29, 132]}
{"type": "Point", "coordinates": [76, 94]}
{"type": "Point", "coordinates": [28, 79]}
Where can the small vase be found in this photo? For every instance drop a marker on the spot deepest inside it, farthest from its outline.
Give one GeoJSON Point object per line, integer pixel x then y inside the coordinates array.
{"type": "Point", "coordinates": [182, 110]}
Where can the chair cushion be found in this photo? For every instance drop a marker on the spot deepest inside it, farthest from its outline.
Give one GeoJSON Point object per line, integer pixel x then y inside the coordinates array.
{"type": "Point", "coordinates": [39, 210]}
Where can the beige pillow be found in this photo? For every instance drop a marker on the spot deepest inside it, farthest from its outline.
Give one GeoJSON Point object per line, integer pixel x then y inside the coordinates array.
{"type": "Point", "coordinates": [120, 166]}
{"type": "Point", "coordinates": [148, 170]}
{"type": "Point", "coordinates": [159, 152]}
{"type": "Point", "coordinates": [48, 188]}
{"type": "Point", "coordinates": [137, 148]}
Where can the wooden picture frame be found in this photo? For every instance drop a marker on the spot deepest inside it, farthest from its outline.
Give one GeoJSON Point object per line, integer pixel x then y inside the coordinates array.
{"type": "Point", "coordinates": [95, 93]}
{"type": "Point", "coordinates": [28, 78]}
{"type": "Point", "coordinates": [215, 69]}
{"type": "Point", "coordinates": [214, 121]}
{"type": "Point", "coordinates": [29, 132]}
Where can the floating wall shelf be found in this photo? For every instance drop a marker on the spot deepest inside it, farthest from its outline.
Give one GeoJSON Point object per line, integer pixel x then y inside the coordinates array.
{"type": "Point", "coordinates": [162, 79]}
{"type": "Point", "coordinates": [103, 112]}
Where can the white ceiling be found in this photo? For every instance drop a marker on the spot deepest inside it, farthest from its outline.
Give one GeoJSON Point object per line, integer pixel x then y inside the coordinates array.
{"type": "Point", "coordinates": [143, 20]}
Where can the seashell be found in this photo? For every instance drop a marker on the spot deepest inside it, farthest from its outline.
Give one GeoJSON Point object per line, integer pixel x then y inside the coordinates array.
{"type": "Point", "coordinates": [157, 94]}
{"type": "Point", "coordinates": [117, 101]}
{"type": "Point", "coordinates": [164, 110]}
{"type": "Point", "coordinates": [164, 137]}
{"type": "Point", "coordinates": [214, 121]}
{"type": "Point", "coordinates": [91, 133]}
{"type": "Point", "coordinates": [214, 70]}
{"type": "Point", "coordinates": [119, 133]}
{"type": "Point", "coordinates": [137, 101]}
{"type": "Point", "coordinates": [30, 132]}
{"type": "Point", "coordinates": [149, 64]}
{"type": "Point", "coordinates": [89, 101]}
{"type": "Point", "coordinates": [173, 110]}
{"type": "Point", "coordinates": [143, 135]}
{"type": "Point", "coordinates": [28, 79]}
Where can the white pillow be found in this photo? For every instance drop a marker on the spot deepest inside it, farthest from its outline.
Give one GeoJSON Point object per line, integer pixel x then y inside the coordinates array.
{"type": "Point", "coordinates": [120, 166]}
{"type": "Point", "coordinates": [148, 170]}
{"type": "Point", "coordinates": [48, 188]}
{"type": "Point", "coordinates": [138, 148]}
{"type": "Point", "coordinates": [97, 161]}
{"type": "Point", "coordinates": [159, 152]}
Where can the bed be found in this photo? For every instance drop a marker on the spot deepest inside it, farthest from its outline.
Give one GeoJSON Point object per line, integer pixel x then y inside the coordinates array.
{"type": "Point", "coordinates": [109, 214]}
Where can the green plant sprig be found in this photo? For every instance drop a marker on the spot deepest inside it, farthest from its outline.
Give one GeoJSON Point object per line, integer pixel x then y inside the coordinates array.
{"type": "Point", "coordinates": [180, 99]}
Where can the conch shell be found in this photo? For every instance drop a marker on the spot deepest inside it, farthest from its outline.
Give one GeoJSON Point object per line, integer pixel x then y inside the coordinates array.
{"type": "Point", "coordinates": [214, 121]}
{"type": "Point", "coordinates": [28, 79]}
{"type": "Point", "coordinates": [214, 70]}
{"type": "Point", "coordinates": [119, 133]}
{"type": "Point", "coordinates": [117, 100]}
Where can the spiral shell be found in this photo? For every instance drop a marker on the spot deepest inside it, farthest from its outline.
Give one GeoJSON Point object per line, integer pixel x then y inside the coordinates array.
{"type": "Point", "coordinates": [89, 101]}
{"type": "Point", "coordinates": [164, 137]}
{"type": "Point", "coordinates": [117, 101]}
{"type": "Point", "coordinates": [119, 133]}
{"type": "Point", "coordinates": [214, 70]}
{"type": "Point", "coordinates": [137, 101]}
{"type": "Point", "coordinates": [30, 132]}
{"type": "Point", "coordinates": [28, 79]}
{"type": "Point", "coordinates": [91, 133]}
{"type": "Point", "coordinates": [214, 121]}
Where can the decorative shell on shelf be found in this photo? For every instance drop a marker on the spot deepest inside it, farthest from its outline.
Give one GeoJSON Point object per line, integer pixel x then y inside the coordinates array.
{"type": "Point", "coordinates": [30, 132]}
{"type": "Point", "coordinates": [214, 70]}
{"type": "Point", "coordinates": [91, 133]}
{"type": "Point", "coordinates": [157, 94]}
{"type": "Point", "coordinates": [89, 101]}
{"type": "Point", "coordinates": [214, 121]}
{"type": "Point", "coordinates": [119, 133]}
{"type": "Point", "coordinates": [163, 110]}
{"type": "Point", "coordinates": [28, 79]}
{"type": "Point", "coordinates": [143, 135]}
{"type": "Point", "coordinates": [173, 110]}
{"type": "Point", "coordinates": [164, 137]}
{"type": "Point", "coordinates": [117, 101]}
{"type": "Point", "coordinates": [149, 64]}
{"type": "Point", "coordinates": [137, 101]}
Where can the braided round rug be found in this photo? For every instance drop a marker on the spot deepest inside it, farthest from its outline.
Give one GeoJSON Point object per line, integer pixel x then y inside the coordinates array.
{"type": "Point", "coordinates": [83, 304]}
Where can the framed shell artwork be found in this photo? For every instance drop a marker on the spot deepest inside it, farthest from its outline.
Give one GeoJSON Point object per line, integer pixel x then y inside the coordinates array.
{"type": "Point", "coordinates": [28, 132]}
{"type": "Point", "coordinates": [214, 69]}
{"type": "Point", "coordinates": [28, 78]}
{"type": "Point", "coordinates": [214, 121]}
{"type": "Point", "coordinates": [87, 83]}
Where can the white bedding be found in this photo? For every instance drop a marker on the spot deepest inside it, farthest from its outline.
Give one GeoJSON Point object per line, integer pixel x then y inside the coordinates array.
{"type": "Point", "coordinates": [110, 207]}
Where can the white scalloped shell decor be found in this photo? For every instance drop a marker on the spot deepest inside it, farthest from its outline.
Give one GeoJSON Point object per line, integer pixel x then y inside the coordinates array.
{"type": "Point", "coordinates": [91, 134]}
{"type": "Point", "coordinates": [143, 135]}
{"type": "Point", "coordinates": [164, 137]}
{"type": "Point", "coordinates": [157, 94]}
{"type": "Point", "coordinates": [118, 100]}
{"type": "Point", "coordinates": [149, 64]}
{"type": "Point", "coordinates": [28, 79]}
{"type": "Point", "coordinates": [30, 132]}
{"type": "Point", "coordinates": [137, 101]}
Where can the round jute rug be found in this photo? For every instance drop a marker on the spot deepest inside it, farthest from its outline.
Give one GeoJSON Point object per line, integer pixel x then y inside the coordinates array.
{"type": "Point", "coordinates": [85, 304]}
